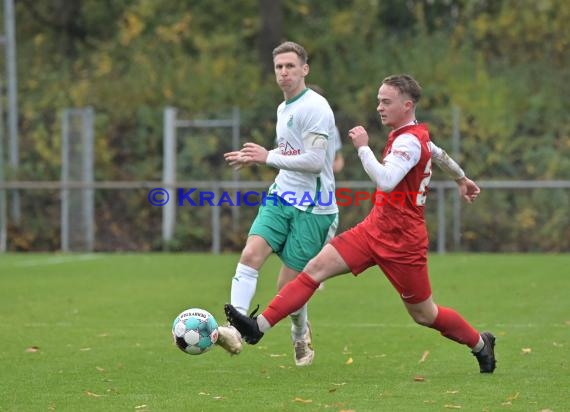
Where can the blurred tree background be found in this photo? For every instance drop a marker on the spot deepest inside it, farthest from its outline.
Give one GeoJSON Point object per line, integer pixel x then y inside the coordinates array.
{"type": "Point", "coordinates": [503, 64]}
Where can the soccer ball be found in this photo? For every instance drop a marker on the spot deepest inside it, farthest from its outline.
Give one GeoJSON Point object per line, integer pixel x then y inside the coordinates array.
{"type": "Point", "coordinates": [195, 331]}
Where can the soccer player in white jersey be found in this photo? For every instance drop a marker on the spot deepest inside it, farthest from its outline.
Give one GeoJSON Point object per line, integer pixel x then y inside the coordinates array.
{"type": "Point", "coordinates": [300, 213]}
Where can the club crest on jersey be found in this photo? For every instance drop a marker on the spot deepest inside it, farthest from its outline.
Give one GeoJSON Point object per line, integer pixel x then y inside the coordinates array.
{"type": "Point", "coordinates": [287, 150]}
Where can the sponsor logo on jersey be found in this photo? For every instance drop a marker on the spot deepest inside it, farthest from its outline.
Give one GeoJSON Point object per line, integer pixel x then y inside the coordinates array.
{"type": "Point", "coordinates": [287, 150]}
{"type": "Point", "coordinates": [402, 154]}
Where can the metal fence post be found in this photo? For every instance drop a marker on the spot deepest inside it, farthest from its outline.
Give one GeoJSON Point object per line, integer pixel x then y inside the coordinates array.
{"type": "Point", "coordinates": [456, 139]}
{"type": "Point", "coordinates": [87, 177]}
{"type": "Point", "coordinates": [169, 174]}
{"type": "Point", "coordinates": [440, 219]}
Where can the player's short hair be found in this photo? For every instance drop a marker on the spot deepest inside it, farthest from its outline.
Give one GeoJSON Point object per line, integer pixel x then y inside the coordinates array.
{"type": "Point", "coordinates": [290, 46]}
{"type": "Point", "coordinates": [406, 84]}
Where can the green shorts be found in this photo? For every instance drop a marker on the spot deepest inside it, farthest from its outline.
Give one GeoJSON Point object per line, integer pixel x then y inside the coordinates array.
{"type": "Point", "coordinates": [296, 236]}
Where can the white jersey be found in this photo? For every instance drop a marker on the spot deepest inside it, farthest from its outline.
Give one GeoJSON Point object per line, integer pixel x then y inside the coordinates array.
{"type": "Point", "coordinates": [308, 113]}
{"type": "Point", "coordinates": [336, 140]}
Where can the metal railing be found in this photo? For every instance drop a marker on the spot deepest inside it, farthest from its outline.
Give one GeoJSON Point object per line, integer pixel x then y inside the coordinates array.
{"type": "Point", "coordinates": [439, 188]}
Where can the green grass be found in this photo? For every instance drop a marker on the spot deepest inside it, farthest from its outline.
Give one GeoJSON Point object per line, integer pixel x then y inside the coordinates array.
{"type": "Point", "coordinates": [101, 324]}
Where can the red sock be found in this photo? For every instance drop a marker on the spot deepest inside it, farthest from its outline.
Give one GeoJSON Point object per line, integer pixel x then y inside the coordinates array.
{"type": "Point", "coordinates": [454, 327]}
{"type": "Point", "coordinates": [290, 298]}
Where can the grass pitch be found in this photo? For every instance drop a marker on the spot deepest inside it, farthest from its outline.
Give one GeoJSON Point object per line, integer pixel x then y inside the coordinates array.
{"type": "Point", "coordinates": [92, 333]}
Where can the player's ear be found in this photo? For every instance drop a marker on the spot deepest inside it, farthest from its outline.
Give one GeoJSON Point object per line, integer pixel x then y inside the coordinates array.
{"type": "Point", "coordinates": [305, 69]}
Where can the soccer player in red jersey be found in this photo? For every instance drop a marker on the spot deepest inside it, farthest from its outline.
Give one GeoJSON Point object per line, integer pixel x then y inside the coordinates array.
{"type": "Point", "coordinates": [393, 236]}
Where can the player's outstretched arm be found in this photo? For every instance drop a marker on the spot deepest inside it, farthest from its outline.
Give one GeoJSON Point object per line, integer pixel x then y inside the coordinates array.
{"type": "Point", "coordinates": [468, 189]}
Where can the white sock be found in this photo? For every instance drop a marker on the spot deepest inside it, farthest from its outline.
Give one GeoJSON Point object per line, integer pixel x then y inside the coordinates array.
{"type": "Point", "coordinates": [479, 346]}
{"type": "Point", "coordinates": [244, 284]}
{"type": "Point", "coordinates": [263, 324]}
{"type": "Point", "coordinates": [299, 323]}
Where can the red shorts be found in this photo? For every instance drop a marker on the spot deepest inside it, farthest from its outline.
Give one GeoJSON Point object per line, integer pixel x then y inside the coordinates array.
{"type": "Point", "coordinates": [360, 251]}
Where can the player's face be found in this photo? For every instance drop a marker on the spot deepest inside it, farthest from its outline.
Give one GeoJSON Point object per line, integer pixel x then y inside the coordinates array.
{"type": "Point", "coordinates": [290, 73]}
{"type": "Point", "coordinates": [393, 107]}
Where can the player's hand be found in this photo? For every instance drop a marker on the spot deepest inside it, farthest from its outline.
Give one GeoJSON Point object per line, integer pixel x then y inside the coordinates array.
{"type": "Point", "coordinates": [237, 159]}
{"type": "Point", "coordinates": [359, 136]}
{"type": "Point", "coordinates": [468, 190]}
{"type": "Point", "coordinates": [255, 153]}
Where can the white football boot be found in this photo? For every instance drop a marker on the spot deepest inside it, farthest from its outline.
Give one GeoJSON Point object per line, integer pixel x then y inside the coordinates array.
{"type": "Point", "coordinates": [230, 339]}
{"type": "Point", "coordinates": [304, 352]}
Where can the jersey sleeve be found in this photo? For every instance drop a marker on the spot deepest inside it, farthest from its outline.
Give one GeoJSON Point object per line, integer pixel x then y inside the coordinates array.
{"type": "Point", "coordinates": [311, 161]}
{"type": "Point", "coordinates": [405, 154]}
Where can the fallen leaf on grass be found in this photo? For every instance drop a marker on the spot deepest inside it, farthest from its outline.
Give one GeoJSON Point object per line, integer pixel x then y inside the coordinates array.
{"type": "Point", "coordinates": [526, 351]}
{"type": "Point", "coordinates": [88, 393]}
{"type": "Point", "coordinates": [424, 356]}
{"type": "Point", "coordinates": [301, 400]}
{"type": "Point", "coordinates": [452, 392]}
{"type": "Point", "coordinates": [277, 355]}
{"type": "Point", "coordinates": [100, 369]}
{"type": "Point", "coordinates": [217, 397]}
{"type": "Point", "coordinates": [448, 406]}
{"type": "Point", "coordinates": [204, 393]}
{"type": "Point", "coordinates": [84, 349]}
{"type": "Point", "coordinates": [513, 397]}
{"type": "Point", "coordinates": [348, 361]}
{"type": "Point", "coordinates": [546, 410]}
{"type": "Point", "coordinates": [339, 384]}
{"type": "Point", "coordinates": [140, 407]}
{"type": "Point", "coordinates": [419, 378]}
{"type": "Point", "coordinates": [33, 349]}
{"type": "Point", "coordinates": [557, 345]}
{"type": "Point", "coordinates": [331, 390]}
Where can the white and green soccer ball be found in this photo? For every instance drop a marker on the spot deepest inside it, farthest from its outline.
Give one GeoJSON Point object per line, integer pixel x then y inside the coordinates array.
{"type": "Point", "coordinates": [195, 331]}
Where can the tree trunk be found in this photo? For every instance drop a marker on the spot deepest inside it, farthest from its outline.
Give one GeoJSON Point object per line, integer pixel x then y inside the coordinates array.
{"type": "Point", "coordinates": [271, 32]}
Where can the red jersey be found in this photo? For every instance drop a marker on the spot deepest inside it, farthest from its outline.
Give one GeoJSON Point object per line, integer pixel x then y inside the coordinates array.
{"type": "Point", "coordinates": [397, 226]}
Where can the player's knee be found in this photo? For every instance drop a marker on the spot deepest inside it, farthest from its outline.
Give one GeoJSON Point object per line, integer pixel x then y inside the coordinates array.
{"type": "Point", "coordinates": [316, 268]}
{"type": "Point", "coordinates": [249, 256]}
{"type": "Point", "coordinates": [254, 254]}
{"type": "Point", "coordinates": [423, 318]}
